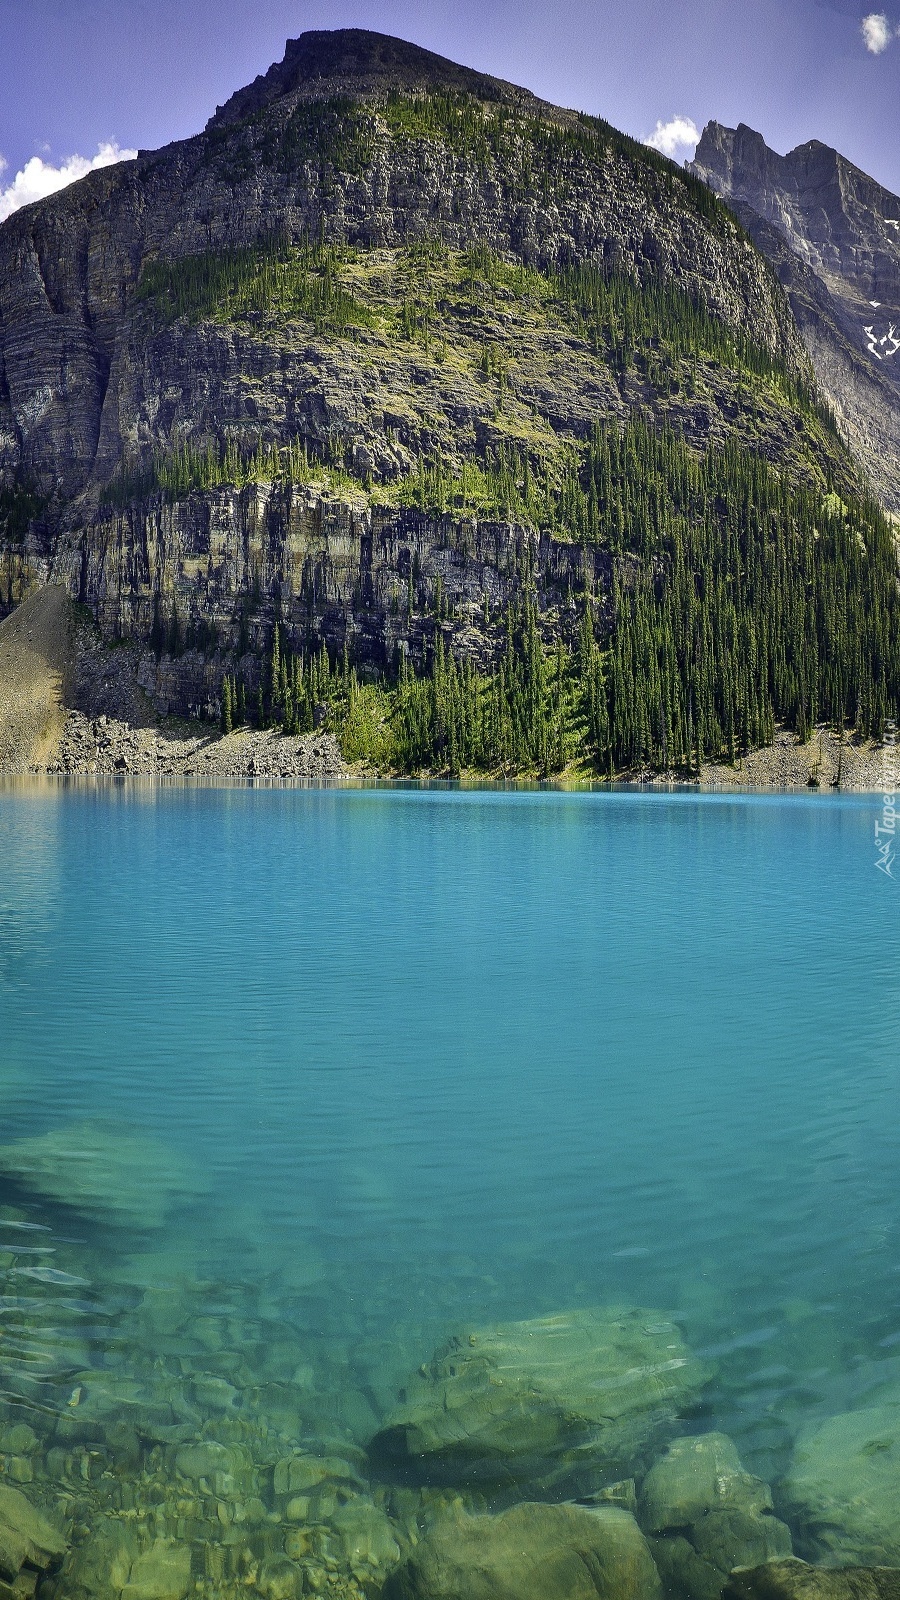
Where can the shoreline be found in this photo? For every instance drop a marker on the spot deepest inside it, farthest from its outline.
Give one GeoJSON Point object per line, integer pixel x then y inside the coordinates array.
{"type": "Point", "coordinates": [862, 766]}
{"type": "Point", "coordinates": [107, 747]}
{"type": "Point", "coordinates": [72, 706]}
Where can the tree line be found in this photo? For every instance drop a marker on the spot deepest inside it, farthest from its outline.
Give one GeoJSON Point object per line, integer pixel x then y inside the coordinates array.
{"type": "Point", "coordinates": [739, 601]}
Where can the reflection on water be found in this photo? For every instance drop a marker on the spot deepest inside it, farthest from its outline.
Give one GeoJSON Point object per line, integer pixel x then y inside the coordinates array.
{"type": "Point", "coordinates": [362, 1148]}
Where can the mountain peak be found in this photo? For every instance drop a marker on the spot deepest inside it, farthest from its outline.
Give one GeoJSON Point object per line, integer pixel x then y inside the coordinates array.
{"type": "Point", "coordinates": [727, 157]}
{"type": "Point", "coordinates": [356, 61]}
{"type": "Point", "coordinates": [833, 234]}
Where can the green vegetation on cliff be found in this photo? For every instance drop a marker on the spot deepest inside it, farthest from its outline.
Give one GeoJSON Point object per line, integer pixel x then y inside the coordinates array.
{"type": "Point", "coordinates": [739, 600]}
{"type": "Point", "coordinates": [745, 592]}
{"type": "Point", "coordinates": [480, 358]}
{"type": "Point", "coordinates": [539, 154]}
{"type": "Point", "coordinates": [270, 280]}
{"type": "Point", "coordinates": [426, 293]}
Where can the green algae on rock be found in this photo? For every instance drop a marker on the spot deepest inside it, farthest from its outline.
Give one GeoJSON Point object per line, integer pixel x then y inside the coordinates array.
{"type": "Point", "coordinates": [531, 1552]}
{"type": "Point", "coordinates": [103, 1171]}
{"type": "Point", "coordinates": [565, 1400]}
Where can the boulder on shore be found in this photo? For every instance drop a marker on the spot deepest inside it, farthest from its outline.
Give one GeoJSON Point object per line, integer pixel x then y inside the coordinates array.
{"type": "Point", "coordinates": [531, 1552]}
{"type": "Point", "coordinates": [571, 1400]}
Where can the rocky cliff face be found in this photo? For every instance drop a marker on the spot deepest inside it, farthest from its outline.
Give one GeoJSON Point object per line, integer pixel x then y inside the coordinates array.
{"type": "Point", "coordinates": [368, 260]}
{"type": "Point", "coordinates": [224, 565]}
{"type": "Point", "coordinates": [833, 235]}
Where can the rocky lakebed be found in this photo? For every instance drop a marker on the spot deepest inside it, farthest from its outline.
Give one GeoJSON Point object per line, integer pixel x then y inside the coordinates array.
{"type": "Point", "coordinates": [174, 1425]}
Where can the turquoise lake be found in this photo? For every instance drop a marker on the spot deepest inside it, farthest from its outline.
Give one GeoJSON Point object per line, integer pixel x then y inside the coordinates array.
{"type": "Point", "coordinates": [420, 1060]}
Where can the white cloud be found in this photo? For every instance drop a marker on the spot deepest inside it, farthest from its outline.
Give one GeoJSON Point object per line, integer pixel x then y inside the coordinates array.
{"type": "Point", "coordinates": [675, 136]}
{"type": "Point", "coordinates": [877, 32]}
{"type": "Point", "coordinates": [39, 178]}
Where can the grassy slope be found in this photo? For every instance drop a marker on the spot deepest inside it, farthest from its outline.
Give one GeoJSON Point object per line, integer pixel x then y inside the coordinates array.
{"type": "Point", "coordinates": [462, 359]}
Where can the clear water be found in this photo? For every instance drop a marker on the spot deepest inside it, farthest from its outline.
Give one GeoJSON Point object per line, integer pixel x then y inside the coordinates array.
{"type": "Point", "coordinates": [441, 1058]}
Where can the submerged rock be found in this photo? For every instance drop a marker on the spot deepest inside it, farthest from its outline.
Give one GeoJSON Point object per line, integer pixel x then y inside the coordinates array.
{"type": "Point", "coordinates": [162, 1573]}
{"type": "Point", "coordinates": [103, 1171]}
{"type": "Point", "coordinates": [707, 1515]}
{"type": "Point", "coordinates": [362, 1537]}
{"type": "Point", "coordinates": [570, 1399]}
{"type": "Point", "coordinates": [843, 1487]}
{"type": "Point", "coordinates": [531, 1552]}
{"type": "Point", "coordinates": [27, 1539]}
{"type": "Point", "coordinates": [304, 1474]}
{"type": "Point", "coordinates": [99, 1568]}
{"type": "Point", "coordinates": [103, 1401]}
{"type": "Point", "coordinates": [794, 1580]}
{"type": "Point", "coordinates": [111, 1566]}
{"type": "Point", "coordinates": [280, 1579]}
{"type": "Point", "coordinates": [697, 1475]}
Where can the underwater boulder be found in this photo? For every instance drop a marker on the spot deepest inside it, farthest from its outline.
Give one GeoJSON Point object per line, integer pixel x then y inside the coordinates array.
{"type": "Point", "coordinates": [568, 1400]}
{"type": "Point", "coordinates": [360, 1536]}
{"type": "Point", "coordinates": [110, 1565]}
{"type": "Point", "coordinates": [161, 1573]}
{"type": "Point", "coordinates": [104, 1402]}
{"type": "Point", "coordinates": [696, 1475]}
{"type": "Point", "coordinates": [530, 1552]}
{"type": "Point", "coordinates": [842, 1490]}
{"type": "Point", "coordinates": [705, 1515]}
{"type": "Point", "coordinates": [103, 1171]}
{"type": "Point", "coordinates": [28, 1542]}
{"type": "Point", "coordinates": [280, 1579]}
{"type": "Point", "coordinates": [206, 1458]}
{"type": "Point", "coordinates": [794, 1580]}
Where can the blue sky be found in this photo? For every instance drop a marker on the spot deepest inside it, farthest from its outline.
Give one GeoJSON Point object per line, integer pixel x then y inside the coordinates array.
{"type": "Point", "coordinates": [78, 74]}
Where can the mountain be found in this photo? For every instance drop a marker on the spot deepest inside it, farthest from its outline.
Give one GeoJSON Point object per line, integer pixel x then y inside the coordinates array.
{"type": "Point", "coordinates": [833, 235]}
{"type": "Point", "coordinates": [397, 381]}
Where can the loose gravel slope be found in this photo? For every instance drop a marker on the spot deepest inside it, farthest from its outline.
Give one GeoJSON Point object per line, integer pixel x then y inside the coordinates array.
{"type": "Point", "coordinates": [36, 654]}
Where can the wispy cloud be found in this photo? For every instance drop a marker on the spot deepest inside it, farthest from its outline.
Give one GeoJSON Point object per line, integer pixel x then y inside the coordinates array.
{"type": "Point", "coordinates": [38, 177]}
{"type": "Point", "coordinates": [877, 32]}
{"type": "Point", "coordinates": [674, 137]}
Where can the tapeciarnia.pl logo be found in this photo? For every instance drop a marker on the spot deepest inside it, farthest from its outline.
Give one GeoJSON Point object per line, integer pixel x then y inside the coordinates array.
{"type": "Point", "coordinates": [886, 829]}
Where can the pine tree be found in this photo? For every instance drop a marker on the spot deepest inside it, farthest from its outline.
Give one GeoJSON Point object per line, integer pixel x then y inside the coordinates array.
{"type": "Point", "coordinates": [227, 713]}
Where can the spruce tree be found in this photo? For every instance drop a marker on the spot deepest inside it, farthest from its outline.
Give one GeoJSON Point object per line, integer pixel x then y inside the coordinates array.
{"type": "Point", "coordinates": [227, 710]}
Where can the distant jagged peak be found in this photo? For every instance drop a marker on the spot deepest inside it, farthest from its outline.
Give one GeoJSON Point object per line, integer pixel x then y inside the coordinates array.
{"type": "Point", "coordinates": [732, 160]}
{"type": "Point", "coordinates": [360, 63]}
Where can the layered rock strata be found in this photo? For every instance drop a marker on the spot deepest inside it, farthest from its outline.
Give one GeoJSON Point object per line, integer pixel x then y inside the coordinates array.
{"type": "Point", "coordinates": [832, 234]}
